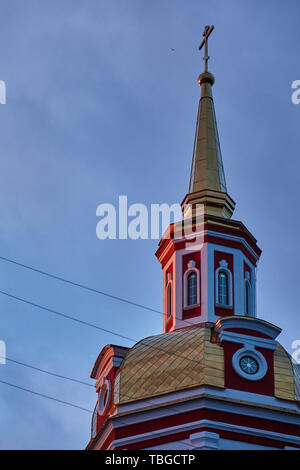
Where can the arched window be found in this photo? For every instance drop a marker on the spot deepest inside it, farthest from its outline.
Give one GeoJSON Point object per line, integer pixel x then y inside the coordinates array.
{"type": "Point", "coordinates": [247, 298]}
{"type": "Point", "coordinates": [191, 284]}
{"type": "Point", "coordinates": [192, 289]}
{"type": "Point", "coordinates": [223, 295]}
{"type": "Point", "coordinates": [169, 299]}
{"type": "Point", "coordinates": [223, 286]}
{"type": "Point", "coordinates": [104, 394]}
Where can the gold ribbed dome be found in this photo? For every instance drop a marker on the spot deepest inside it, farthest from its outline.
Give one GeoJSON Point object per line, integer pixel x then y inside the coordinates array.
{"type": "Point", "coordinates": [185, 359]}
{"type": "Point", "coordinates": [169, 362]}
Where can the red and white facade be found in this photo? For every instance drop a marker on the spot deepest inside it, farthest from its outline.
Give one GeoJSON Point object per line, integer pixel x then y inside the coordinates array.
{"type": "Point", "coordinates": [217, 378]}
{"type": "Point", "coordinates": [212, 249]}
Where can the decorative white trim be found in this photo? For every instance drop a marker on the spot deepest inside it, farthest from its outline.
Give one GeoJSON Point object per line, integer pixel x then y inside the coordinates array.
{"type": "Point", "coordinates": [254, 271]}
{"type": "Point", "coordinates": [219, 235]}
{"type": "Point", "coordinates": [165, 282]}
{"type": "Point", "coordinates": [208, 284]}
{"type": "Point", "coordinates": [205, 284]}
{"type": "Point", "coordinates": [249, 350]}
{"type": "Point", "coordinates": [104, 396]}
{"type": "Point", "coordinates": [169, 314]}
{"type": "Point", "coordinates": [248, 283]}
{"type": "Point", "coordinates": [238, 269]}
{"type": "Point", "coordinates": [237, 278]}
{"type": "Point", "coordinates": [274, 409]}
{"type": "Point", "coordinates": [223, 268]}
{"type": "Point", "coordinates": [249, 323]}
{"type": "Point", "coordinates": [207, 397]}
{"type": "Point", "coordinates": [216, 425]}
{"type": "Point", "coordinates": [191, 268]}
{"type": "Point", "coordinates": [225, 444]}
{"type": "Point", "coordinates": [178, 290]}
{"type": "Point", "coordinates": [237, 239]}
{"type": "Point", "coordinates": [253, 341]}
{"type": "Point", "coordinates": [210, 274]}
{"type": "Point", "coordinates": [174, 445]}
{"type": "Point", "coordinates": [205, 440]}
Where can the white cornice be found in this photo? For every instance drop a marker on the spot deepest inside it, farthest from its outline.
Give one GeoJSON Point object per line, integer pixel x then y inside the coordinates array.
{"type": "Point", "coordinates": [248, 323]}
{"type": "Point", "coordinates": [247, 340]}
{"type": "Point", "coordinates": [205, 423]}
{"type": "Point", "coordinates": [226, 236]}
{"type": "Point", "coordinates": [193, 400]}
{"type": "Point", "coordinates": [228, 400]}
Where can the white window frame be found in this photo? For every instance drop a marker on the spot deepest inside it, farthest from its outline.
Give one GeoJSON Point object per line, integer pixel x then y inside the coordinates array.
{"type": "Point", "coordinates": [224, 267]}
{"type": "Point", "coordinates": [250, 299]}
{"type": "Point", "coordinates": [249, 350]}
{"type": "Point", "coordinates": [104, 390]}
{"type": "Point", "coordinates": [191, 268]}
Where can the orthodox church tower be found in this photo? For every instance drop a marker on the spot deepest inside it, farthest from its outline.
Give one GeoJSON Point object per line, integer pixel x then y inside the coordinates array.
{"type": "Point", "coordinates": [217, 378]}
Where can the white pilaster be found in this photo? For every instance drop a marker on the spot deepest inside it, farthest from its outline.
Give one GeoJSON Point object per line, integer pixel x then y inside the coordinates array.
{"type": "Point", "coordinates": [204, 282]}
{"type": "Point", "coordinates": [178, 287]}
{"type": "Point", "coordinates": [205, 440]}
{"type": "Point", "coordinates": [238, 274]}
{"type": "Point", "coordinates": [211, 283]}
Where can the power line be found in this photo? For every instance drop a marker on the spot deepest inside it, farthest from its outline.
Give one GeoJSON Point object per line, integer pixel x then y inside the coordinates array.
{"type": "Point", "coordinates": [63, 402]}
{"type": "Point", "coordinates": [45, 396]}
{"type": "Point", "coordinates": [38, 369]}
{"type": "Point", "coordinates": [68, 317]}
{"type": "Point", "coordinates": [88, 288]}
{"type": "Point", "coordinates": [82, 286]}
{"type": "Point", "coordinates": [73, 380]}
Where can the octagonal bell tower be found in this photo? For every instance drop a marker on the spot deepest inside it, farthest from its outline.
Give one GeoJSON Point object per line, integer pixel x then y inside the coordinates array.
{"type": "Point", "coordinates": [209, 260]}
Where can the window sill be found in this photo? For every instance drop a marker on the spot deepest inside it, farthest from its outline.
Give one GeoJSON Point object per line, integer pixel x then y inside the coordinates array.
{"type": "Point", "coordinates": [228, 307]}
{"type": "Point", "coordinates": [189, 307]}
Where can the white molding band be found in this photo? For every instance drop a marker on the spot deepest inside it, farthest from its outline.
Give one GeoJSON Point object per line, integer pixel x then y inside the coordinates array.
{"type": "Point", "coordinates": [215, 425]}
{"type": "Point", "coordinates": [250, 305]}
{"type": "Point", "coordinates": [165, 282]}
{"type": "Point", "coordinates": [194, 401]}
{"type": "Point", "coordinates": [253, 341]}
{"type": "Point", "coordinates": [169, 286]}
{"type": "Point", "coordinates": [227, 401]}
{"type": "Point", "coordinates": [248, 323]}
{"type": "Point", "coordinates": [205, 440]}
{"type": "Point", "coordinates": [224, 236]}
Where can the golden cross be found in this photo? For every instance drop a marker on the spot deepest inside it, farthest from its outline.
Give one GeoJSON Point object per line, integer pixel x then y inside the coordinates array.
{"type": "Point", "coordinates": [207, 31]}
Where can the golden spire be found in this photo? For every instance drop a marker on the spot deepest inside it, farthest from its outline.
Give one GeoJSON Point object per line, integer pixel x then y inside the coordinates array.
{"type": "Point", "coordinates": [207, 180]}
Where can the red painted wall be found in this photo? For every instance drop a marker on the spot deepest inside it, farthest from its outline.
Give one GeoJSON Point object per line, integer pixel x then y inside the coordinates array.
{"type": "Point", "coordinates": [265, 386]}
{"type": "Point", "coordinates": [196, 415]}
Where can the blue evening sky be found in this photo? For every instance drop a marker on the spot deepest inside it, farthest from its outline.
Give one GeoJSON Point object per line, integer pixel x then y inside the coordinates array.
{"type": "Point", "coordinates": [98, 105]}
